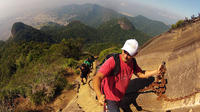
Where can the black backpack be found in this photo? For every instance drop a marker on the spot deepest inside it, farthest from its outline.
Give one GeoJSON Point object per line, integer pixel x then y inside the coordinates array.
{"type": "Point", "coordinates": [116, 69]}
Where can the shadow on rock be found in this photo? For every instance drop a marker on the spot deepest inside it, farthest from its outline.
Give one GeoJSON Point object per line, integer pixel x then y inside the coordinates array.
{"type": "Point", "coordinates": [132, 93]}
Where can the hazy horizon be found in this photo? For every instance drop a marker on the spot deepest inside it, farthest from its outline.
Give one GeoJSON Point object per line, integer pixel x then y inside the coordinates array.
{"type": "Point", "coordinates": [168, 12]}
{"type": "Point", "coordinates": [151, 8]}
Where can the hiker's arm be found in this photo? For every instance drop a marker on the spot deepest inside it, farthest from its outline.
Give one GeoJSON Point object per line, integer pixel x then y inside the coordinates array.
{"type": "Point", "coordinates": [97, 87]}
{"type": "Point", "coordinates": [147, 74]}
{"type": "Point", "coordinates": [150, 73]}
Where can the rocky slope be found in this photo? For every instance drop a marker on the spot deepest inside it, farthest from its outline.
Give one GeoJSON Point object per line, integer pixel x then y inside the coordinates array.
{"type": "Point", "coordinates": [180, 49]}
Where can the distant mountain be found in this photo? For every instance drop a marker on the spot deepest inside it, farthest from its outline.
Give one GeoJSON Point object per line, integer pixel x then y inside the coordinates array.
{"type": "Point", "coordinates": [148, 26]}
{"type": "Point", "coordinates": [74, 29]}
{"type": "Point", "coordinates": [77, 29]}
{"type": "Point", "coordinates": [23, 32]}
{"type": "Point", "coordinates": [119, 30]}
{"type": "Point", "coordinates": [112, 31]}
{"type": "Point", "coordinates": [53, 32]}
{"type": "Point", "coordinates": [90, 14]}
{"type": "Point", "coordinates": [95, 15]}
{"type": "Point", "coordinates": [50, 25]}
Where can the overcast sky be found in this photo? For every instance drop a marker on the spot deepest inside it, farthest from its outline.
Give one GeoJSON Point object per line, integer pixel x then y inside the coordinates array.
{"type": "Point", "coordinates": [170, 8]}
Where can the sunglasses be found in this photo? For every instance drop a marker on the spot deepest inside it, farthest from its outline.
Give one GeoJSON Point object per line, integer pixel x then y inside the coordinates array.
{"type": "Point", "coordinates": [129, 54]}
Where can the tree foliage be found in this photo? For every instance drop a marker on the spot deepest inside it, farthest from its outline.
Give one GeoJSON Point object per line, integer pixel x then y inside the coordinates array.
{"type": "Point", "coordinates": [28, 66]}
{"type": "Point", "coordinates": [105, 52]}
{"type": "Point", "coordinates": [178, 24]}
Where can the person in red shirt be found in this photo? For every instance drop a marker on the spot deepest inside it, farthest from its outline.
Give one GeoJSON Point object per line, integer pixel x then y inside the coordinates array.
{"type": "Point", "coordinates": [111, 89]}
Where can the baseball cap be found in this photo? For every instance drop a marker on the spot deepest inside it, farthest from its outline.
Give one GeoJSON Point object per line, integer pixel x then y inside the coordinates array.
{"type": "Point", "coordinates": [131, 46]}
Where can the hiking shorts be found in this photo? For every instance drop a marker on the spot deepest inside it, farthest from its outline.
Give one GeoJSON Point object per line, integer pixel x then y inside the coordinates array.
{"type": "Point", "coordinates": [83, 75]}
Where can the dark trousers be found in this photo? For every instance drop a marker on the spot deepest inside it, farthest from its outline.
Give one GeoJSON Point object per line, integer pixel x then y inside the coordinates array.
{"type": "Point", "coordinates": [113, 106]}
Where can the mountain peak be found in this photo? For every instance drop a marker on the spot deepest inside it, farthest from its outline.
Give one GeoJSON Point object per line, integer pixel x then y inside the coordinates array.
{"type": "Point", "coordinates": [23, 32]}
{"type": "Point", "coordinates": [17, 27]}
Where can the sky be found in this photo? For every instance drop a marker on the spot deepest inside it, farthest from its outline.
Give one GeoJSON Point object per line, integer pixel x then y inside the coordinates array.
{"type": "Point", "coordinates": [184, 8]}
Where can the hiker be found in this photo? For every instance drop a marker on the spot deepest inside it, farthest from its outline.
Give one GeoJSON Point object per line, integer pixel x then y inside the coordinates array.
{"type": "Point", "coordinates": [91, 60]}
{"type": "Point", "coordinates": [84, 72]}
{"type": "Point", "coordinates": [88, 62]}
{"type": "Point", "coordinates": [110, 89]}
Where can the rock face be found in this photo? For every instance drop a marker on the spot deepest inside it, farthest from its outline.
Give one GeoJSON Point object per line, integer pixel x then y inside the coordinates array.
{"type": "Point", "coordinates": [180, 48]}
{"type": "Point", "coordinates": [124, 25]}
{"type": "Point", "coordinates": [17, 27]}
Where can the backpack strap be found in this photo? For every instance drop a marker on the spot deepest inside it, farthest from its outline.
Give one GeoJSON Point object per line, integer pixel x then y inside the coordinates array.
{"type": "Point", "coordinates": [134, 66]}
{"type": "Point", "coordinates": [116, 69]}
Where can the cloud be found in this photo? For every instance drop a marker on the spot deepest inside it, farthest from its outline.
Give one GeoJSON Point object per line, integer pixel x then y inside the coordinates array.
{"type": "Point", "coordinates": [12, 7]}
{"type": "Point", "coordinates": [123, 4]}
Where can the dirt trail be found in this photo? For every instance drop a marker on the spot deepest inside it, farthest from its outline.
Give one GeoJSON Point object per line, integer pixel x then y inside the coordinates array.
{"type": "Point", "coordinates": [84, 101]}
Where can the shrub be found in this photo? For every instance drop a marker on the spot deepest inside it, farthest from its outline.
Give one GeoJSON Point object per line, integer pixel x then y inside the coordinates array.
{"type": "Point", "coordinates": [178, 24]}
{"type": "Point", "coordinates": [37, 97]}
{"type": "Point", "coordinates": [71, 63]}
{"type": "Point", "coordinates": [77, 71]}
{"type": "Point", "coordinates": [173, 26]}
{"type": "Point", "coordinates": [105, 52]}
{"type": "Point", "coordinates": [43, 92]}
{"type": "Point", "coordinates": [4, 108]}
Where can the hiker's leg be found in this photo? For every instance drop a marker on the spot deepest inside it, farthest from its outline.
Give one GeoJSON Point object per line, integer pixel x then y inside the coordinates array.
{"type": "Point", "coordinates": [126, 108]}
{"type": "Point", "coordinates": [125, 104]}
{"type": "Point", "coordinates": [82, 81]}
{"type": "Point", "coordinates": [86, 79]}
{"type": "Point", "coordinates": [82, 76]}
{"type": "Point", "coordinates": [112, 106]}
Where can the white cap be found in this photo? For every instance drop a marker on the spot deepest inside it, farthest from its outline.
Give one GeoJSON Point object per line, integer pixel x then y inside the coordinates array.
{"type": "Point", "coordinates": [131, 46]}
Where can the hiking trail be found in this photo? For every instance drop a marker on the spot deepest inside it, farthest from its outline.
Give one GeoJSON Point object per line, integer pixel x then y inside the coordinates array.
{"type": "Point", "coordinates": [85, 100]}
